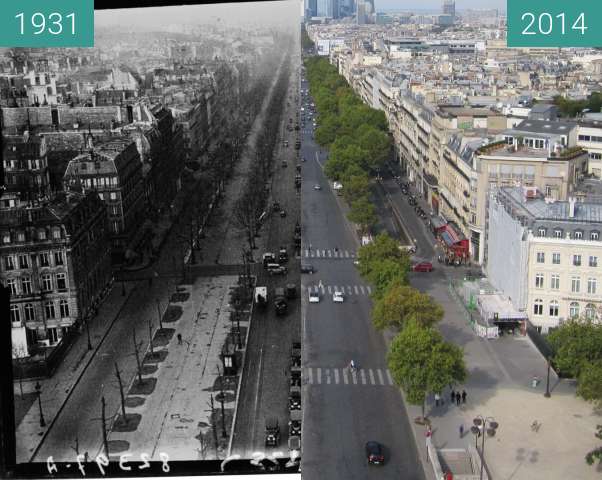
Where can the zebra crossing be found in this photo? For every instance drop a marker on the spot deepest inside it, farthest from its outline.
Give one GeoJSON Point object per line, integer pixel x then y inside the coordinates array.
{"type": "Point", "coordinates": [346, 289]}
{"type": "Point", "coordinates": [324, 253]}
{"type": "Point", "coordinates": [344, 376]}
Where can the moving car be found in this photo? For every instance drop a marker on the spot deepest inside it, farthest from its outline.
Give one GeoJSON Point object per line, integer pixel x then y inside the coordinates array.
{"type": "Point", "coordinates": [374, 453]}
{"type": "Point", "coordinates": [423, 267]}
{"type": "Point", "coordinates": [317, 187]}
{"type": "Point", "coordinates": [279, 270]}
{"type": "Point", "coordinates": [338, 297]}
{"type": "Point", "coordinates": [314, 297]}
{"type": "Point", "coordinates": [307, 268]}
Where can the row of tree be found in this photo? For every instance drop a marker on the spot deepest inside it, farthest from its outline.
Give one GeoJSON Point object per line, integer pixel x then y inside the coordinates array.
{"type": "Point", "coordinates": [572, 108]}
{"type": "Point", "coordinates": [420, 360]}
{"type": "Point", "coordinates": [355, 135]}
{"type": "Point", "coordinates": [577, 353]}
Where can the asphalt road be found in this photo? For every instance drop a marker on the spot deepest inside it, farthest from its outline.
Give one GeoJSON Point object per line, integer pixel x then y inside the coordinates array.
{"type": "Point", "coordinates": [343, 411]}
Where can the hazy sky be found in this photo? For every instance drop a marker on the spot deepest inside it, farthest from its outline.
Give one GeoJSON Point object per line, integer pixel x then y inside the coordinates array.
{"type": "Point", "coordinates": [281, 13]}
{"type": "Point", "coordinates": [421, 4]}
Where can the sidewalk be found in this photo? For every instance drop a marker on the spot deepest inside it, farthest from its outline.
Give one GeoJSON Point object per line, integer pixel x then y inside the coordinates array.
{"type": "Point", "coordinates": [176, 416]}
{"type": "Point", "coordinates": [55, 390]}
{"type": "Point", "coordinates": [499, 386]}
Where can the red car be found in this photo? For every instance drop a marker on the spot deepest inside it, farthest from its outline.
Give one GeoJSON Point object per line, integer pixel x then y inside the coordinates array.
{"type": "Point", "coordinates": [423, 267]}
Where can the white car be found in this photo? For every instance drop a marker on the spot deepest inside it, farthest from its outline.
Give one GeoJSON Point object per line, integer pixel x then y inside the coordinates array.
{"type": "Point", "coordinates": [314, 297]}
{"type": "Point", "coordinates": [338, 297]}
{"type": "Point", "coordinates": [317, 187]}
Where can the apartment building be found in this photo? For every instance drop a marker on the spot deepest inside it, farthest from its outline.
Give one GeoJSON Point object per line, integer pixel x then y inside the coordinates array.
{"type": "Point", "coordinates": [546, 255]}
{"type": "Point", "coordinates": [55, 259]}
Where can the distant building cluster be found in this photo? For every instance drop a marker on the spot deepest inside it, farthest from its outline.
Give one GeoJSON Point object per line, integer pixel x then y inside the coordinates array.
{"type": "Point", "coordinates": [471, 119]}
{"type": "Point", "coordinates": [96, 144]}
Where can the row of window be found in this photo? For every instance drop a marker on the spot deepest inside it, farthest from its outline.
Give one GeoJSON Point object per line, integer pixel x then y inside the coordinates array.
{"type": "Point", "coordinates": [577, 234]}
{"type": "Point", "coordinates": [12, 262]}
{"type": "Point", "coordinates": [590, 138]}
{"type": "Point", "coordinates": [592, 283]}
{"type": "Point", "coordinates": [41, 234]}
{"type": "Point", "coordinates": [46, 284]}
{"type": "Point", "coordinates": [574, 309]}
{"type": "Point", "coordinates": [593, 260]}
{"type": "Point", "coordinates": [27, 313]}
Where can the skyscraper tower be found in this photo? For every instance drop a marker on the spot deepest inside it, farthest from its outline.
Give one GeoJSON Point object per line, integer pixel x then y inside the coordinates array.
{"type": "Point", "coordinates": [449, 8]}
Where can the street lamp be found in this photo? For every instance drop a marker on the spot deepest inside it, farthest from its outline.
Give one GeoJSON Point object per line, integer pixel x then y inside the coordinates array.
{"type": "Point", "coordinates": [88, 332]}
{"type": "Point", "coordinates": [547, 394]}
{"type": "Point", "coordinates": [482, 425]}
{"type": "Point", "coordinates": [38, 388]}
{"type": "Point", "coordinates": [122, 283]}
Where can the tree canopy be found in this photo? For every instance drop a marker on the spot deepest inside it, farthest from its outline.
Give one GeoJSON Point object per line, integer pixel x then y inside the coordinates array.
{"type": "Point", "coordinates": [575, 343]}
{"type": "Point", "coordinates": [363, 213]}
{"type": "Point", "coordinates": [401, 304]}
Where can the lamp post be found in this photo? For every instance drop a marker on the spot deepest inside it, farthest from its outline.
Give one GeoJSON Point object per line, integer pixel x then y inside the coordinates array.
{"type": "Point", "coordinates": [122, 283]}
{"type": "Point", "coordinates": [547, 394]}
{"type": "Point", "coordinates": [88, 332]}
{"type": "Point", "coordinates": [38, 388]}
{"type": "Point", "coordinates": [482, 425]}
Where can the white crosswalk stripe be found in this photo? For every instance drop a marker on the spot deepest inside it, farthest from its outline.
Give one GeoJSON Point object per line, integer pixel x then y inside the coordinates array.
{"type": "Point", "coordinates": [329, 292]}
{"type": "Point", "coordinates": [331, 253]}
{"type": "Point", "coordinates": [343, 376]}
{"type": "Point", "coordinates": [369, 289]}
{"type": "Point", "coordinates": [362, 289]}
{"type": "Point", "coordinates": [348, 290]}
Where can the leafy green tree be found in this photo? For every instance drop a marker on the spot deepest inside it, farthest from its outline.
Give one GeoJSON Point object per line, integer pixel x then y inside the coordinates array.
{"type": "Point", "coordinates": [382, 247]}
{"type": "Point", "coordinates": [363, 213]}
{"type": "Point", "coordinates": [421, 362]}
{"type": "Point", "coordinates": [589, 383]}
{"type": "Point", "coordinates": [595, 454]}
{"type": "Point", "coordinates": [377, 145]}
{"type": "Point", "coordinates": [356, 186]}
{"type": "Point", "coordinates": [575, 343]}
{"type": "Point", "coordinates": [327, 130]}
{"type": "Point", "coordinates": [386, 273]}
{"type": "Point", "coordinates": [401, 304]}
{"type": "Point", "coordinates": [352, 170]}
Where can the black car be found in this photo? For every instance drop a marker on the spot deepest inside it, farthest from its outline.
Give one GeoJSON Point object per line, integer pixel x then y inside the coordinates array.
{"type": "Point", "coordinates": [374, 453]}
{"type": "Point", "coordinates": [307, 268]}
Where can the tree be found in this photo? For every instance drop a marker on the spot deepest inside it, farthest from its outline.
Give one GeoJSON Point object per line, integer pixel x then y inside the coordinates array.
{"type": "Point", "coordinates": [376, 144]}
{"type": "Point", "coordinates": [421, 362]}
{"type": "Point", "coordinates": [362, 213]}
{"type": "Point", "coordinates": [401, 304]}
{"type": "Point", "coordinates": [342, 160]}
{"type": "Point", "coordinates": [382, 247]}
{"type": "Point", "coordinates": [356, 186]}
{"type": "Point", "coordinates": [575, 343]}
{"type": "Point", "coordinates": [326, 133]}
{"type": "Point", "coordinates": [388, 272]}
{"type": "Point", "coordinates": [589, 383]}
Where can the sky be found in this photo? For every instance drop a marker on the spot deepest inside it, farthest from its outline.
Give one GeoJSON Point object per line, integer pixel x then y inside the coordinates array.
{"type": "Point", "coordinates": [408, 5]}
{"type": "Point", "coordinates": [279, 13]}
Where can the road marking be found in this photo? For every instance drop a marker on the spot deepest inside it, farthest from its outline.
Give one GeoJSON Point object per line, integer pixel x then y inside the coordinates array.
{"type": "Point", "coordinates": [345, 377]}
{"type": "Point", "coordinates": [363, 372]}
{"type": "Point", "coordinates": [327, 373]}
{"type": "Point", "coordinates": [336, 375]}
{"type": "Point", "coordinates": [391, 382]}
{"type": "Point", "coordinates": [354, 377]}
{"type": "Point", "coordinates": [362, 289]}
{"type": "Point", "coordinates": [371, 377]}
{"type": "Point", "coordinates": [349, 289]}
{"type": "Point", "coordinates": [322, 288]}
{"type": "Point", "coordinates": [317, 253]}
{"type": "Point", "coordinates": [323, 253]}
{"type": "Point", "coordinates": [329, 253]}
{"type": "Point", "coordinates": [356, 290]}
{"type": "Point", "coordinates": [328, 289]}
{"type": "Point", "coordinates": [310, 379]}
{"type": "Point", "coordinates": [369, 289]}
{"type": "Point", "coordinates": [306, 253]}
{"type": "Point", "coordinates": [380, 376]}
{"type": "Point", "coordinates": [319, 375]}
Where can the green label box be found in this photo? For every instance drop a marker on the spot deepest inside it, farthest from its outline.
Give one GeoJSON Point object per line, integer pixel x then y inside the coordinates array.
{"type": "Point", "coordinates": [46, 23]}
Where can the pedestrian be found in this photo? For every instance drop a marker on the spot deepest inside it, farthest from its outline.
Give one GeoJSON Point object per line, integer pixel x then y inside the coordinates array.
{"type": "Point", "coordinates": [437, 398]}
{"type": "Point", "coordinates": [452, 397]}
{"type": "Point", "coordinates": [179, 339]}
{"type": "Point", "coordinates": [462, 431]}
{"type": "Point", "coordinates": [464, 395]}
{"type": "Point", "coordinates": [458, 398]}
{"type": "Point", "coordinates": [86, 457]}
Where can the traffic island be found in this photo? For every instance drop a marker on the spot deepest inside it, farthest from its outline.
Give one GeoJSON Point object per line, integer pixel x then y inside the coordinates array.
{"type": "Point", "coordinates": [117, 446]}
{"type": "Point", "coordinates": [172, 314]}
{"type": "Point", "coordinates": [157, 356]}
{"type": "Point", "coordinates": [179, 297]}
{"type": "Point", "coordinates": [146, 387]}
{"type": "Point", "coordinates": [163, 336]}
{"type": "Point", "coordinates": [133, 402]}
{"type": "Point", "coordinates": [129, 424]}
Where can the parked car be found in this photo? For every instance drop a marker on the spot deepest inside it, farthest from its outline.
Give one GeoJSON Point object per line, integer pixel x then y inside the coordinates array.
{"type": "Point", "coordinates": [374, 453]}
{"type": "Point", "coordinates": [423, 267]}
{"type": "Point", "coordinates": [314, 297]}
{"type": "Point", "coordinates": [279, 270]}
{"type": "Point", "coordinates": [307, 268]}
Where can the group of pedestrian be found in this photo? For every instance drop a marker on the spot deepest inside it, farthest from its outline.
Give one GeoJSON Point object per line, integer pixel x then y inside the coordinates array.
{"type": "Point", "coordinates": [455, 397]}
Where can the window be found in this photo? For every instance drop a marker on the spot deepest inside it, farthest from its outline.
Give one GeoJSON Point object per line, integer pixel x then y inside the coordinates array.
{"type": "Point", "coordinates": [590, 311]}
{"type": "Point", "coordinates": [42, 234]}
{"type": "Point", "coordinates": [578, 235]}
{"type": "Point", "coordinates": [577, 260]}
{"type": "Point", "coordinates": [575, 284]}
{"type": "Point", "coordinates": [26, 285]}
{"type": "Point", "coordinates": [58, 258]}
{"type": "Point", "coordinates": [23, 261]}
{"type": "Point", "coordinates": [556, 258]}
{"type": "Point", "coordinates": [594, 236]}
{"type": "Point", "coordinates": [49, 310]}
{"type": "Point", "coordinates": [46, 282]}
{"type": "Point", "coordinates": [592, 285]}
{"type": "Point", "coordinates": [554, 308]}
{"type": "Point", "coordinates": [558, 232]}
{"type": "Point", "coordinates": [29, 312]}
{"type": "Point", "coordinates": [593, 261]}
{"type": "Point", "coordinates": [20, 236]}
{"type": "Point", "coordinates": [541, 232]}
{"type": "Point", "coordinates": [555, 281]}
{"type": "Point", "coordinates": [44, 261]}
{"type": "Point", "coordinates": [64, 308]}
{"type": "Point", "coordinates": [11, 284]}
{"type": "Point", "coordinates": [113, 196]}
{"type": "Point", "coordinates": [61, 281]}
{"type": "Point", "coordinates": [6, 237]}
{"type": "Point", "coordinates": [56, 234]}
{"type": "Point", "coordinates": [541, 257]}
{"type": "Point", "coordinates": [9, 263]}
{"type": "Point", "coordinates": [538, 307]}
{"type": "Point", "coordinates": [539, 280]}
{"type": "Point", "coordinates": [15, 315]}
{"type": "Point", "coordinates": [573, 310]}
